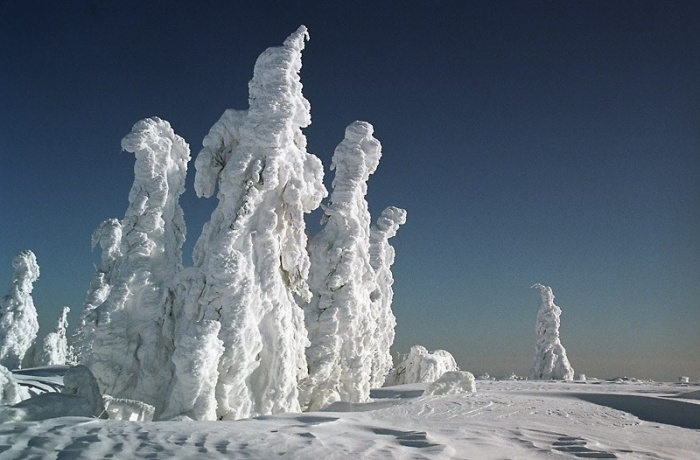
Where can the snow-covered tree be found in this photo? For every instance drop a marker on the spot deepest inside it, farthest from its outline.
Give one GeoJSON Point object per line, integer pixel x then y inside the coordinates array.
{"type": "Point", "coordinates": [421, 365]}
{"type": "Point", "coordinates": [251, 262]}
{"type": "Point", "coordinates": [550, 361]}
{"type": "Point", "coordinates": [55, 345]}
{"type": "Point", "coordinates": [127, 329]}
{"type": "Point", "coordinates": [18, 317]}
{"type": "Point", "coordinates": [381, 259]}
{"type": "Point", "coordinates": [339, 317]}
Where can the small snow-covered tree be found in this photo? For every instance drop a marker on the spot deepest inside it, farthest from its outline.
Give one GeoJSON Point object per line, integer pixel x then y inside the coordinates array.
{"type": "Point", "coordinates": [55, 345]}
{"type": "Point", "coordinates": [127, 329]}
{"type": "Point", "coordinates": [251, 262]}
{"type": "Point", "coordinates": [18, 317]}
{"type": "Point", "coordinates": [339, 317]}
{"type": "Point", "coordinates": [550, 361]}
{"type": "Point", "coordinates": [381, 259]}
{"type": "Point", "coordinates": [421, 365]}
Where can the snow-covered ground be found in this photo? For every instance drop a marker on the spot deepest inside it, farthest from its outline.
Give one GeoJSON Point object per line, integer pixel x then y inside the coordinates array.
{"type": "Point", "coordinates": [503, 419]}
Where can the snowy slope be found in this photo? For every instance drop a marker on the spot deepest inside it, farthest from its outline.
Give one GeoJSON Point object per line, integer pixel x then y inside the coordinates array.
{"type": "Point", "coordinates": [505, 419]}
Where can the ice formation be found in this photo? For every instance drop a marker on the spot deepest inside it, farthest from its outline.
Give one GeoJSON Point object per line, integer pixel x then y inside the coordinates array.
{"type": "Point", "coordinates": [55, 345]}
{"type": "Point", "coordinates": [251, 262]}
{"type": "Point", "coordinates": [452, 382]}
{"type": "Point", "coordinates": [339, 317]}
{"type": "Point", "coordinates": [18, 317]}
{"type": "Point", "coordinates": [381, 259]}
{"type": "Point", "coordinates": [550, 361]}
{"type": "Point", "coordinates": [127, 330]}
{"type": "Point", "coordinates": [127, 409]}
{"type": "Point", "coordinates": [420, 365]}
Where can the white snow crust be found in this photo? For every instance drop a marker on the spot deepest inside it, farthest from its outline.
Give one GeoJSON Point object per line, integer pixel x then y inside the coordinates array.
{"type": "Point", "coordinates": [127, 409]}
{"type": "Point", "coordinates": [126, 338]}
{"type": "Point", "coordinates": [452, 382]}
{"type": "Point", "coordinates": [421, 365]}
{"type": "Point", "coordinates": [551, 362]}
{"type": "Point", "coordinates": [18, 317]}
{"type": "Point", "coordinates": [10, 391]}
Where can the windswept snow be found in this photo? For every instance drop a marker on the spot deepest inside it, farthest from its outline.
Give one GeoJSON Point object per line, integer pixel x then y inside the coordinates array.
{"type": "Point", "coordinates": [18, 317]}
{"type": "Point", "coordinates": [550, 361]}
{"type": "Point", "coordinates": [421, 365]}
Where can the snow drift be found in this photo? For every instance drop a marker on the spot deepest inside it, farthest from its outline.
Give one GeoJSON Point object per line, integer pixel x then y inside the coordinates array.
{"type": "Point", "coordinates": [452, 382]}
{"type": "Point", "coordinates": [550, 361]}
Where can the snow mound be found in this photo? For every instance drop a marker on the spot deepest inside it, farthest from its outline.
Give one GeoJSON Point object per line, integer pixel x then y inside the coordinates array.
{"type": "Point", "coordinates": [452, 382]}
{"type": "Point", "coordinates": [422, 366]}
{"type": "Point", "coordinates": [79, 381]}
{"type": "Point", "coordinates": [550, 361]}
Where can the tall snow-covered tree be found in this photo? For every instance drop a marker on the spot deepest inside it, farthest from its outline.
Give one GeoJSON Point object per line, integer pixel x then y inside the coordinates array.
{"type": "Point", "coordinates": [551, 362]}
{"type": "Point", "coordinates": [18, 317]}
{"type": "Point", "coordinates": [55, 345]}
{"type": "Point", "coordinates": [339, 317]}
{"type": "Point", "coordinates": [127, 329]}
{"type": "Point", "coordinates": [382, 256]}
{"type": "Point", "coordinates": [251, 262]}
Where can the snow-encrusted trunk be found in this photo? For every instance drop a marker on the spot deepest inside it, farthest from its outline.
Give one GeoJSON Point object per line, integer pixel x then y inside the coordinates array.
{"type": "Point", "coordinates": [250, 261]}
{"type": "Point", "coordinates": [18, 317]}
{"type": "Point", "coordinates": [127, 324]}
{"type": "Point", "coordinates": [381, 259]}
{"type": "Point", "coordinates": [55, 345]}
{"type": "Point", "coordinates": [339, 318]}
{"type": "Point", "coordinates": [550, 361]}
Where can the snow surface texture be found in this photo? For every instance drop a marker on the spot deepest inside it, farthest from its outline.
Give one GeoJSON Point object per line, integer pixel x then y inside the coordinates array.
{"type": "Point", "coordinates": [127, 334]}
{"type": "Point", "coordinates": [504, 419]}
{"type": "Point", "coordinates": [251, 262]}
{"type": "Point", "coordinates": [339, 317]}
{"type": "Point", "coordinates": [550, 361]}
{"type": "Point", "coordinates": [55, 345]}
{"type": "Point", "coordinates": [452, 382]}
{"type": "Point", "coordinates": [420, 365]}
{"type": "Point", "coordinates": [381, 259]}
{"type": "Point", "coordinates": [18, 317]}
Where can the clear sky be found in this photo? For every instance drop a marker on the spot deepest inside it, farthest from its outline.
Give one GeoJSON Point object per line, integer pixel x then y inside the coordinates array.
{"type": "Point", "coordinates": [554, 142]}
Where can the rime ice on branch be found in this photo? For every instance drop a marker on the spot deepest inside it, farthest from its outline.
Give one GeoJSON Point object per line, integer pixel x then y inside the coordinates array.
{"type": "Point", "coordinates": [126, 335]}
{"type": "Point", "coordinates": [18, 317]}
{"type": "Point", "coordinates": [420, 366]}
{"type": "Point", "coordinates": [550, 361]}
{"type": "Point", "coordinates": [339, 318]}
{"type": "Point", "coordinates": [251, 263]}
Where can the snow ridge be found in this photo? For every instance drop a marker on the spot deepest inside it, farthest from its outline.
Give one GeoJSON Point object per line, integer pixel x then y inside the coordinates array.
{"type": "Point", "coordinates": [550, 361]}
{"type": "Point", "coordinates": [18, 317]}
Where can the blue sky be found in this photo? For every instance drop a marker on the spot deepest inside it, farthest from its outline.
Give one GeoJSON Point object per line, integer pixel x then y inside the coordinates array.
{"type": "Point", "coordinates": [552, 142]}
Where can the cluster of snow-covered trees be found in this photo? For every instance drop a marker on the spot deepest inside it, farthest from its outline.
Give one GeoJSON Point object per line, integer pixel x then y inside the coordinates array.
{"type": "Point", "coordinates": [264, 321]}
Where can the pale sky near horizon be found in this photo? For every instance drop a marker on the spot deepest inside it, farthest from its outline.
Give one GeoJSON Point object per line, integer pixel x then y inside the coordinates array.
{"type": "Point", "coordinates": [530, 142]}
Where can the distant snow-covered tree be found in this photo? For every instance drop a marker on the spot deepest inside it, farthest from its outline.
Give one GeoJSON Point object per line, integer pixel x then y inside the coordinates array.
{"type": "Point", "coordinates": [18, 317]}
{"type": "Point", "coordinates": [550, 361]}
{"type": "Point", "coordinates": [250, 262]}
{"type": "Point", "coordinates": [339, 317]}
{"type": "Point", "coordinates": [55, 345]}
{"type": "Point", "coordinates": [126, 338]}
